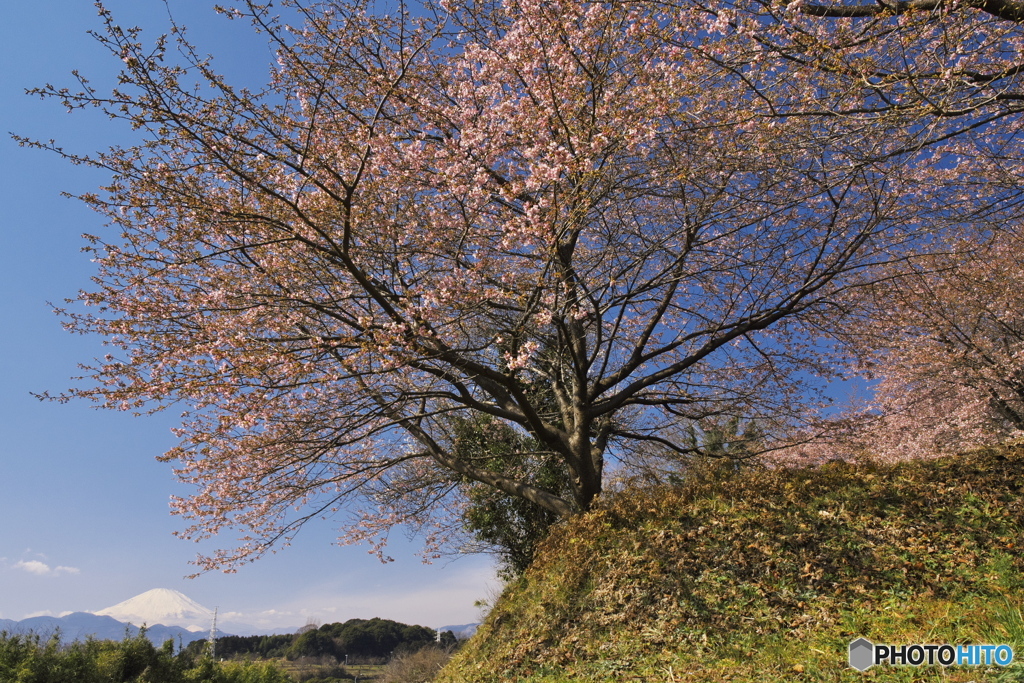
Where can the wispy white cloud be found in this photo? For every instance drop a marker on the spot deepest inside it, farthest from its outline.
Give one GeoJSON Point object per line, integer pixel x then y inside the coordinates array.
{"type": "Point", "coordinates": [43, 569]}
{"type": "Point", "coordinates": [33, 567]}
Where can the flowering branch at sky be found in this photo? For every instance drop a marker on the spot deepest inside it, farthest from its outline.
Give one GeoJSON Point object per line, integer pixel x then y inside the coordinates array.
{"type": "Point", "coordinates": [597, 223]}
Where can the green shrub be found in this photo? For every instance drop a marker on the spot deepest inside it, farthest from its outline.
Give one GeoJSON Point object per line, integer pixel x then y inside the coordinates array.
{"type": "Point", "coordinates": [28, 659]}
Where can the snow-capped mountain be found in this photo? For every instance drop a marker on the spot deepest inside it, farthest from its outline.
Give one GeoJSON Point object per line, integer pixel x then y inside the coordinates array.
{"type": "Point", "coordinates": [162, 606]}
{"type": "Point", "coordinates": [167, 614]}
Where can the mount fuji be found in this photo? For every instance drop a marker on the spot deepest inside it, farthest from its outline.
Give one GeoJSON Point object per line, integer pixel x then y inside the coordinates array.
{"type": "Point", "coordinates": [167, 614]}
{"type": "Point", "coordinates": [162, 606]}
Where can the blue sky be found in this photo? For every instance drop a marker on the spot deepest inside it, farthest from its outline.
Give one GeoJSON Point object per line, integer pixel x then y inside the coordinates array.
{"type": "Point", "coordinates": [84, 503]}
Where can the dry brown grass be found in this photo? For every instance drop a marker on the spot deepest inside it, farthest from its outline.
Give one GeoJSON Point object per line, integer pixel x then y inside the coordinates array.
{"type": "Point", "coordinates": [415, 667]}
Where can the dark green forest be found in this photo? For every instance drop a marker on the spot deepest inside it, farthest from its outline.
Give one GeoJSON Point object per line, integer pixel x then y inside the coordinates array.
{"type": "Point", "coordinates": [361, 640]}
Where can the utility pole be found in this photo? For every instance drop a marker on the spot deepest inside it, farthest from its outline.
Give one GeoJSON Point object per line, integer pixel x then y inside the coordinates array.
{"type": "Point", "coordinates": [213, 635]}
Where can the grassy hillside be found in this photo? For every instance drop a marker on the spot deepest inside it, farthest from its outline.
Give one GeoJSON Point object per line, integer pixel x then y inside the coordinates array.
{"type": "Point", "coordinates": [768, 575]}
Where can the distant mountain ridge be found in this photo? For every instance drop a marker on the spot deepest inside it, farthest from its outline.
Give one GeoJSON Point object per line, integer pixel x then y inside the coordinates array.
{"type": "Point", "coordinates": [82, 625]}
{"type": "Point", "coordinates": [461, 631]}
{"type": "Point", "coordinates": [166, 614]}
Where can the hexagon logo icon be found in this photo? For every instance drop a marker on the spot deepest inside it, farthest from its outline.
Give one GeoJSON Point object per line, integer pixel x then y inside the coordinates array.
{"type": "Point", "coordinates": [862, 654]}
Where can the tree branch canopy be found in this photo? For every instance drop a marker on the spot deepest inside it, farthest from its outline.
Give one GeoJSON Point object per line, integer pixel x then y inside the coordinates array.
{"type": "Point", "coordinates": [1008, 11]}
{"type": "Point", "coordinates": [592, 222]}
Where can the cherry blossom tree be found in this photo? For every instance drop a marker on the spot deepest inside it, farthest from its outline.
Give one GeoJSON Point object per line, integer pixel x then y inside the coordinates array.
{"type": "Point", "coordinates": [952, 67]}
{"type": "Point", "coordinates": [948, 349]}
{"type": "Point", "coordinates": [590, 223]}
{"type": "Point", "coordinates": [942, 335]}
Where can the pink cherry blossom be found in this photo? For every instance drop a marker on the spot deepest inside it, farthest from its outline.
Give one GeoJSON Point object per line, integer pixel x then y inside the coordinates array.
{"type": "Point", "coordinates": [595, 223]}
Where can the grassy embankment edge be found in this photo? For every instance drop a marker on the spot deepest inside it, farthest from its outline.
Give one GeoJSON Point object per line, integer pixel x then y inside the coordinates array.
{"type": "Point", "coordinates": [768, 575]}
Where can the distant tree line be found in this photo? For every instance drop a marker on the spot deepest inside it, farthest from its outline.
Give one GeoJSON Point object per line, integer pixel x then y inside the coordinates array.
{"type": "Point", "coordinates": [361, 639]}
{"type": "Point", "coordinates": [28, 658]}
